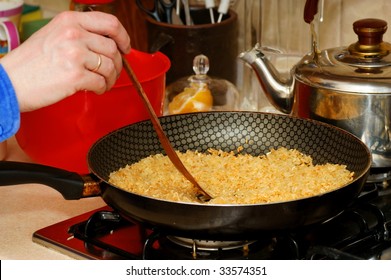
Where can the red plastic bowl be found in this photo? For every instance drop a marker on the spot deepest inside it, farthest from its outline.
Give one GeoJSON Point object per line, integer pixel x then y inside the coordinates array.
{"type": "Point", "coordinates": [60, 135]}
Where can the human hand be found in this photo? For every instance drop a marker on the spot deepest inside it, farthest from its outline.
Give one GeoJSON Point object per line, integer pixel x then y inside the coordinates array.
{"type": "Point", "coordinates": [74, 51]}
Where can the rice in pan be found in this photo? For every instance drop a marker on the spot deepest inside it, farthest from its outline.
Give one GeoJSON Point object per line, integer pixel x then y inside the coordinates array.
{"type": "Point", "coordinates": [280, 175]}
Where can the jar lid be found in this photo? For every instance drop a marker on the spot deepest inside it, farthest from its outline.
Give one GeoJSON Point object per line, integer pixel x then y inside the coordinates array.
{"type": "Point", "coordinates": [92, 2]}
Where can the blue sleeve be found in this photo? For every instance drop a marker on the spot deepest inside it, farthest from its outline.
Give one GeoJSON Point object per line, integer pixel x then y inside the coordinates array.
{"type": "Point", "coordinates": [9, 107]}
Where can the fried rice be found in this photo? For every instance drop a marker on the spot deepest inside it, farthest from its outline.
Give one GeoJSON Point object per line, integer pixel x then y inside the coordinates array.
{"type": "Point", "coordinates": [233, 178]}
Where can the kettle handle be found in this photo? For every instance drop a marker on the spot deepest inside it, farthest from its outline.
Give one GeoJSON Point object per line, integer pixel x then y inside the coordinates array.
{"type": "Point", "coordinates": [310, 10]}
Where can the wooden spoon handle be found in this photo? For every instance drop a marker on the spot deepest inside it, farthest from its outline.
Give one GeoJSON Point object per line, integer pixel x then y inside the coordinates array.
{"type": "Point", "coordinates": [202, 195]}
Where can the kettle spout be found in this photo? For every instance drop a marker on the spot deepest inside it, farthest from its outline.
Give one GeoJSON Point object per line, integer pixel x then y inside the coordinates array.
{"type": "Point", "coordinates": [279, 91]}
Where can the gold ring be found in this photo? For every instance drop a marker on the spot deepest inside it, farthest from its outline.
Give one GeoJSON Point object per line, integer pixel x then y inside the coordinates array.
{"type": "Point", "coordinates": [99, 64]}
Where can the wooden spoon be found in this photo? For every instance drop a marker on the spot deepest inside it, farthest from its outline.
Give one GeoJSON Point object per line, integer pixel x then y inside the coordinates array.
{"type": "Point", "coordinates": [172, 155]}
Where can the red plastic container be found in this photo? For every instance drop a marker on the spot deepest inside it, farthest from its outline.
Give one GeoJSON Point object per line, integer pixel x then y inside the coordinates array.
{"type": "Point", "coordinates": [60, 135]}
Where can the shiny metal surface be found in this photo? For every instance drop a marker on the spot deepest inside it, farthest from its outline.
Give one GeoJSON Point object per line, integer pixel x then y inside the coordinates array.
{"type": "Point", "coordinates": [359, 102]}
{"type": "Point", "coordinates": [346, 87]}
{"type": "Point", "coordinates": [365, 115]}
{"type": "Point", "coordinates": [332, 70]}
{"type": "Point", "coordinates": [280, 93]}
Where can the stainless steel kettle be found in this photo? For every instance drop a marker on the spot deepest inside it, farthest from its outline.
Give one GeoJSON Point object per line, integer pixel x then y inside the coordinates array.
{"type": "Point", "coordinates": [349, 87]}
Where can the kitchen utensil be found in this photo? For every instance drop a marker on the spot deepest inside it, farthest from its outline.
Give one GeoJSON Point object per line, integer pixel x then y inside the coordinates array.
{"type": "Point", "coordinates": [178, 8]}
{"type": "Point", "coordinates": [154, 12]}
{"type": "Point", "coordinates": [347, 87]}
{"type": "Point", "coordinates": [161, 11]}
{"type": "Point", "coordinates": [210, 4]}
{"type": "Point", "coordinates": [202, 195]}
{"type": "Point", "coordinates": [181, 43]}
{"type": "Point", "coordinates": [168, 6]}
{"type": "Point", "coordinates": [60, 135]}
{"type": "Point", "coordinates": [186, 8]}
{"type": "Point", "coordinates": [223, 9]}
{"type": "Point", "coordinates": [256, 132]}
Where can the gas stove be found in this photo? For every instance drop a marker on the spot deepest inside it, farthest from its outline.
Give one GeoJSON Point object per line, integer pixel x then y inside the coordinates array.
{"type": "Point", "coordinates": [362, 231]}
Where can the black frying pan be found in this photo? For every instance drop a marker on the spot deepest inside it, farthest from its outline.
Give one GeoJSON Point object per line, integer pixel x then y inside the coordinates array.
{"type": "Point", "coordinates": [257, 133]}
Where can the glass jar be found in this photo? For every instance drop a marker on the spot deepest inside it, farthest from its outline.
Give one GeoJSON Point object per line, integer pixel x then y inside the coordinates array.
{"type": "Point", "coordinates": [200, 92]}
{"type": "Point", "coordinates": [107, 6]}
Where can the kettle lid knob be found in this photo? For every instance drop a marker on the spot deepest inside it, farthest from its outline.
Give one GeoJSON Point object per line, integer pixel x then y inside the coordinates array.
{"type": "Point", "coordinates": [370, 38]}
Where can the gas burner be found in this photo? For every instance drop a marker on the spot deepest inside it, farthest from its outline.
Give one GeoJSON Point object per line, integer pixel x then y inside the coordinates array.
{"type": "Point", "coordinates": [379, 175]}
{"type": "Point", "coordinates": [170, 247]}
{"type": "Point", "coordinates": [209, 245]}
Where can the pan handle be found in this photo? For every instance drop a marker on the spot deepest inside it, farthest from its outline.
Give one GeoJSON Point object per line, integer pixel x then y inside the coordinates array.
{"type": "Point", "coordinates": [70, 184]}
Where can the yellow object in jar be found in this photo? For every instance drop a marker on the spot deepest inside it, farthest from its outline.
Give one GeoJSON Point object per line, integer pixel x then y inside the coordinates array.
{"type": "Point", "coordinates": [196, 98]}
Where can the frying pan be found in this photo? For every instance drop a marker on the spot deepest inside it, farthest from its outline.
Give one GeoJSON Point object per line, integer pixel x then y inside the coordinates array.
{"type": "Point", "coordinates": [256, 132]}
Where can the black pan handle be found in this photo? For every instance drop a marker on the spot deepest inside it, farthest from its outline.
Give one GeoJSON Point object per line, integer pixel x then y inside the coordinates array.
{"type": "Point", "coordinates": [69, 184]}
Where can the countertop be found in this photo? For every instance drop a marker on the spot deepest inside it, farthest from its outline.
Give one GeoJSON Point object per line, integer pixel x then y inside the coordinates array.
{"type": "Point", "coordinates": [29, 207]}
